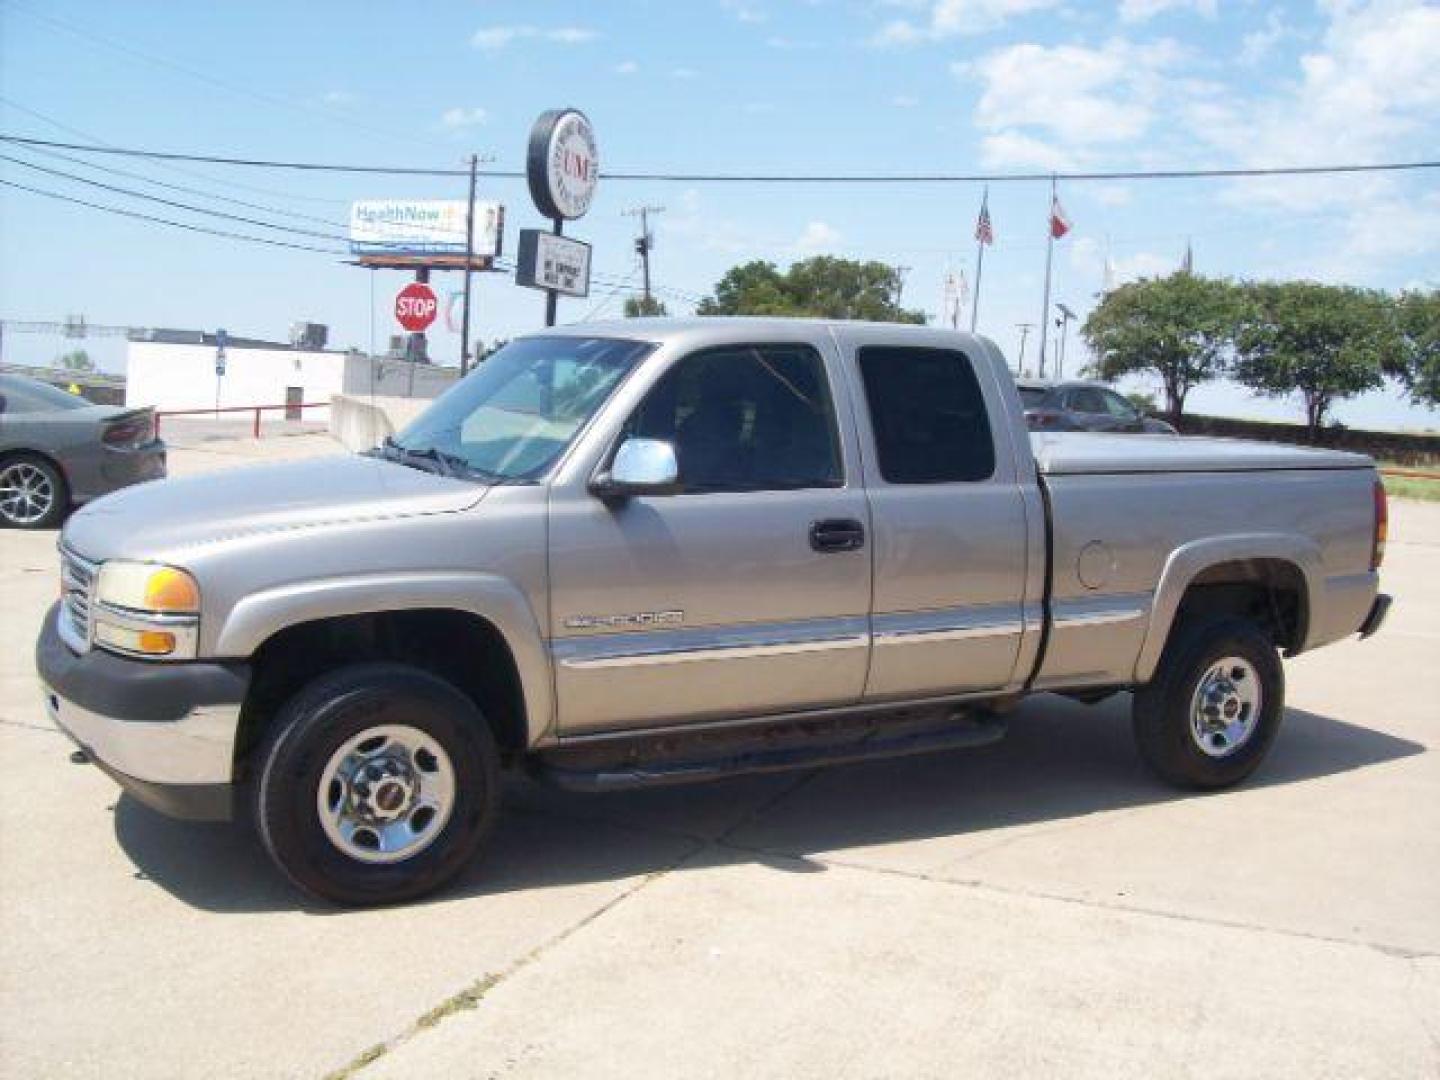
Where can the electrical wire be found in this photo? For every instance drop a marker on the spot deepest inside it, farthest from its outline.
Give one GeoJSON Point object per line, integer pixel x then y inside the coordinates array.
{"type": "Point", "coordinates": [166, 221]}
{"type": "Point", "coordinates": [756, 178]}
{"type": "Point", "coordinates": [171, 202]}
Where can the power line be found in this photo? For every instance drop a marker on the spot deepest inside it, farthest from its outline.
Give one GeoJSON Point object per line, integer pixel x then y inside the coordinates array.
{"type": "Point", "coordinates": [235, 184]}
{"type": "Point", "coordinates": [757, 178]}
{"type": "Point", "coordinates": [170, 202]}
{"type": "Point", "coordinates": [166, 221]}
{"type": "Point", "coordinates": [186, 189]}
{"type": "Point", "coordinates": [206, 77]}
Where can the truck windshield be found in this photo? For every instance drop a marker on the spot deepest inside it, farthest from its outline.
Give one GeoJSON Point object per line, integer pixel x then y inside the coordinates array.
{"type": "Point", "coordinates": [514, 415]}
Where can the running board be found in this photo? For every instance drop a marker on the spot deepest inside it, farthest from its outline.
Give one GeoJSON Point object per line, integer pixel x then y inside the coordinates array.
{"type": "Point", "coordinates": [655, 762]}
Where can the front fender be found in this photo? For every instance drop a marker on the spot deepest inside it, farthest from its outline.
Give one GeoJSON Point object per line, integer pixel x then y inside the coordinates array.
{"type": "Point", "coordinates": [261, 615]}
{"type": "Point", "coordinates": [1188, 561]}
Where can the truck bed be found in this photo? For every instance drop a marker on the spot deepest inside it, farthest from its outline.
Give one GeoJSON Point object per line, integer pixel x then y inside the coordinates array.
{"type": "Point", "coordinates": [1079, 453]}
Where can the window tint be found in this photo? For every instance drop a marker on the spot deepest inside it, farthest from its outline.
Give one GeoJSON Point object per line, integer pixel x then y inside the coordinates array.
{"type": "Point", "coordinates": [1032, 397]}
{"type": "Point", "coordinates": [1117, 406]}
{"type": "Point", "coordinates": [1087, 400]}
{"type": "Point", "coordinates": [746, 418]}
{"type": "Point", "coordinates": [928, 415]}
{"type": "Point", "coordinates": [32, 396]}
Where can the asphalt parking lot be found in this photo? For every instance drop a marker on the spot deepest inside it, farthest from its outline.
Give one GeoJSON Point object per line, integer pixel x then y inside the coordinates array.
{"type": "Point", "coordinates": [1040, 907]}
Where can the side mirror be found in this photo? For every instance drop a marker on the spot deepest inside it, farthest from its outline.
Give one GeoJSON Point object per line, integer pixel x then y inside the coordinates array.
{"type": "Point", "coordinates": [641, 467]}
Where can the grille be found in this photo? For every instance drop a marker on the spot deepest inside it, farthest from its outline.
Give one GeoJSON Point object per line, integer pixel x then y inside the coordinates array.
{"type": "Point", "coordinates": [77, 581]}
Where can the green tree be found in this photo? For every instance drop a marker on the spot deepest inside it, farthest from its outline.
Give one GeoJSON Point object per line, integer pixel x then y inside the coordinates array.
{"type": "Point", "coordinates": [1417, 320]}
{"type": "Point", "coordinates": [78, 360]}
{"type": "Point", "coordinates": [1328, 342]}
{"type": "Point", "coordinates": [822, 287]}
{"type": "Point", "coordinates": [645, 307]}
{"type": "Point", "coordinates": [1180, 328]}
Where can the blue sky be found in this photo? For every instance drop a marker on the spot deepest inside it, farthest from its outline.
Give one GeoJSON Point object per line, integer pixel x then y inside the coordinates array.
{"type": "Point", "coordinates": [729, 86]}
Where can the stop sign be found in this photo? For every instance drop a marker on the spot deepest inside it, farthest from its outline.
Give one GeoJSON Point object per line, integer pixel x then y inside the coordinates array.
{"type": "Point", "coordinates": [416, 307]}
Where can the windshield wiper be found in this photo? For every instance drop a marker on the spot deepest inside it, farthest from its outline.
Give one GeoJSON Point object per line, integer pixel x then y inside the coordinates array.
{"type": "Point", "coordinates": [442, 462]}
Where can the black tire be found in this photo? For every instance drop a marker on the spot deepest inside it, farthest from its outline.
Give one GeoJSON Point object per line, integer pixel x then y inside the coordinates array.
{"type": "Point", "coordinates": [322, 717]}
{"type": "Point", "coordinates": [51, 475]}
{"type": "Point", "coordinates": [1162, 710]}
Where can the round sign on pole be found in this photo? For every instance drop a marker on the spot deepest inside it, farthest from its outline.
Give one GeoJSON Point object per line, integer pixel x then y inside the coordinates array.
{"type": "Point", "coordinates": [416, 307]}
{"type": "Point", "coordinates": [563, 164]}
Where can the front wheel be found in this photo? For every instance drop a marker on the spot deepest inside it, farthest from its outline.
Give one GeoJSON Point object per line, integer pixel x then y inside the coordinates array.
{"type": "Point", "coordinates": [1212, 711]}
{"type": "Point", "coordinates": [378, 784]}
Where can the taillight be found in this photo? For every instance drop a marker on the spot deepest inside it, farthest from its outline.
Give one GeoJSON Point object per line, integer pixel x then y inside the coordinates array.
{"type": "Point", "coordinates": [1382, 525]}
{"type": "Point", "coordinates": [131, 431]}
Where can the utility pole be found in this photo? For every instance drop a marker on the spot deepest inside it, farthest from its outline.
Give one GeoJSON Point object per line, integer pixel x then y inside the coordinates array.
{"type": "Point", "coordinates": [1025, 329]}
{"type": "Point", "coordinates": [469, 258]}
{"type": "Point", "coordinates": [644, 244]}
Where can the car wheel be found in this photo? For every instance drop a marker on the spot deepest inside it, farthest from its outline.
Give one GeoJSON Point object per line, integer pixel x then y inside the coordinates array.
{"type": "Point", "coordinates": [378, 784]}
{"type": "Point", "coordinates": [1211, 713]}
{"type": "Point", "coordinates": [33, 493]}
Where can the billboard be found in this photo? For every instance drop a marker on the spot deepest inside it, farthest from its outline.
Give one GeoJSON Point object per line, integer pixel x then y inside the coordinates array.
{"type": "Point", "coordinates": [418, 230]}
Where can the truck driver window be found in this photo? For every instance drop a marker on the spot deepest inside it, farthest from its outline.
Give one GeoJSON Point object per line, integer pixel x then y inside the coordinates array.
{"type": "Point", "coordinates": [928, 415]}
{"type": "Point", "coordinates": [746, 418]}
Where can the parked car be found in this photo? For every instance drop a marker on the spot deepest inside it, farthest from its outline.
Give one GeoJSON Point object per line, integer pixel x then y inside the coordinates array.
{"type": "Point", "coordinates": [655, 551]}
{"type": "Point", "coordinates": [1083, 406]}
{"type": "Point", "coordinates": [58, 450]}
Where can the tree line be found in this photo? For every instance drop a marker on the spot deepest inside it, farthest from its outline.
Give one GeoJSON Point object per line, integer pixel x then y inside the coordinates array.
{"type": "Point", "coordinates": [1325, 342]}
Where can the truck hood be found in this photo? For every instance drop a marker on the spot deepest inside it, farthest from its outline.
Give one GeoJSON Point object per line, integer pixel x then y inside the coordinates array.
{"type": "Point", "coordinates": [166, 515]}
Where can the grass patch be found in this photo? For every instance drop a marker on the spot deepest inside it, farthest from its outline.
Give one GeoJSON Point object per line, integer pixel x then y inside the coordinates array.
{"type": "Point", "coordinates": [1410, 487]}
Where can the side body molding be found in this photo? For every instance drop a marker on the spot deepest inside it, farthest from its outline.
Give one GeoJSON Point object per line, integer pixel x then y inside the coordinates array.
{"type": "Point", "coordinates": [1189, 560]}
{"type": "Point", "coordinates": [260, 615]}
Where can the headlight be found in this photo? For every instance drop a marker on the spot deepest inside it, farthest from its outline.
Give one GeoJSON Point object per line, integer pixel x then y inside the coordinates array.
{"type": "Point", "coordinates": [145, 609]}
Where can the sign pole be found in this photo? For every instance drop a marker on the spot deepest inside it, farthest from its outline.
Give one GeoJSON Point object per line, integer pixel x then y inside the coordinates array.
{"type": "Point", "coordinates": [552, 296]}
{"type": "Point", "coordinates": [469, 254]}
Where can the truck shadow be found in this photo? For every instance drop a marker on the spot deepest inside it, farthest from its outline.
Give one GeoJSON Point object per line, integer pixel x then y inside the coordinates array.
{"type": "Point", "coordinates": [1061, 761]}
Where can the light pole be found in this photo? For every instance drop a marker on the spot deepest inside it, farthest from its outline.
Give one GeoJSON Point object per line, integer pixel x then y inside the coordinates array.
{"type": "Point", "coordinates": [1063, 322]}
{"type": "Point", "coordinates": [1025, 329]}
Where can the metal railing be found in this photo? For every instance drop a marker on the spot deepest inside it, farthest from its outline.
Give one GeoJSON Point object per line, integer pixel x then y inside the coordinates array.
{"type": "Point", "coordinates": [294, 407]}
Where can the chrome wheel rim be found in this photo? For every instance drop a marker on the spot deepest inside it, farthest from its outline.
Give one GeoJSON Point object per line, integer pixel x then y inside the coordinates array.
{"type": "Point", "coordinates": [386, 794]}
{"type": "Point", "coordinates": [1226, 707]}
{"type": "Point", "coordinates": [26, 493]}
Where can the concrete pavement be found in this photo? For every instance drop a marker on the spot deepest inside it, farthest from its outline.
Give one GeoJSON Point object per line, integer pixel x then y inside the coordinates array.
{"type": "Point", "coordinates": [1041, 907]}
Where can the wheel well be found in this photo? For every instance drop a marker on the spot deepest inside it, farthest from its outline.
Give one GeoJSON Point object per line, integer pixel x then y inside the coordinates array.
{"type": "Point", "coordinates": [1270, 592]}
{"type": "Point", "coordinates": [461, 648]}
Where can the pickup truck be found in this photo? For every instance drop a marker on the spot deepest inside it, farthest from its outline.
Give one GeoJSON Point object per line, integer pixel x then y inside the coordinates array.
{"type": "Point", "coordinates": [654, 551]}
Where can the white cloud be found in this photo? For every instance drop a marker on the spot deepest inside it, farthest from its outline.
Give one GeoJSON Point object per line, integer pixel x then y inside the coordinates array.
{"type": "Point", "coordinates": [952, 18]}
{"type": "Point", "coordinates": [339, 97]}
{"type": "Point", "coordinates": [493, 38]}
{"type": "Point", "coordinates": [817, 237]}
{"type": "Point", "coordinates": [904, 101]}
{"type": "Point", "coordinates": [626, 67]}
{"type": "Point", "coordinates": [1081, 96]}
{"type": "Point", "coordinates": [683, 73]}
{"type": "Point", "coordinates": [1110, 194]}
{"type": "Point", "coordinates": [459, 118]}
{"type": "Point", "coordinates": [1012, 149]}
{"type": "Point", "coordinates": [1087, 257]}
{"type": "Point", "coordinates": [1258, 44]}
{"type": "Point", "coordinates": [1133, 11]}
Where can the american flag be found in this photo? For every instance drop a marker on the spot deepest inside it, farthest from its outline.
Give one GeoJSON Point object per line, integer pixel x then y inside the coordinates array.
{"type": "Point", "coordinates": [984, 232]}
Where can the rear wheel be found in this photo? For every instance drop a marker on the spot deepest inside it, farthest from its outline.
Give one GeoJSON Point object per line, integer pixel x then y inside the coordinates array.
{"type": "Point", "coordinates": [33, 493]}
{"type": "Point", "coordinates": [1211, 713]}
{"type": "Point", "coordinates": [378, 784]}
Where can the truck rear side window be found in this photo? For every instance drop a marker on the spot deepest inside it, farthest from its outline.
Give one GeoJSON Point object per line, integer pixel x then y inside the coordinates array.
{"type": "Point", "coordinates": [928, 414]}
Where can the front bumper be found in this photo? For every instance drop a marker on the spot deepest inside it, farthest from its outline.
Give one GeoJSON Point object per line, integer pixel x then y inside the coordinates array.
{"type": "Point", "coordinates": [163, 731]}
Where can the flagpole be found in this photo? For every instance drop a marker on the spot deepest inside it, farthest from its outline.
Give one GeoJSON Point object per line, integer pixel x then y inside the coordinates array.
{"type": "Point", "coordinates": [979, 261]}
{"type": "Point", "coordinates": [1049, 258]}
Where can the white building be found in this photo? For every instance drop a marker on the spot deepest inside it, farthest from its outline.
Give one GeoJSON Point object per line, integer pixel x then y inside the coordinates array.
{"type": "Point", "coordinates": [175, 370]}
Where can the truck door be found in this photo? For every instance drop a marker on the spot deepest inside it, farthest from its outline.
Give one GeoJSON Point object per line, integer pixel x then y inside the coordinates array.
{"type": "Point", "coordinates": [745, 593]}
{"type": "Point", "coordinates": [951, 551]}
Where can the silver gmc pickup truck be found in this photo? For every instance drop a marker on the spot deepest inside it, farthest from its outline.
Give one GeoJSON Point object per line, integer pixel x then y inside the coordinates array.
{"type": "Point", "coordinates": [647, 552]}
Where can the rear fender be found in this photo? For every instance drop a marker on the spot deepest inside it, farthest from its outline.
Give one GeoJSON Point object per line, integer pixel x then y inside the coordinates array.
{"type": "Point", "coordinates": [1188, 561]}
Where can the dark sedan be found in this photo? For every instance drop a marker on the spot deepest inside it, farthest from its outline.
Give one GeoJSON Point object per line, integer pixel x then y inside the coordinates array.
{"type": "Point", "coordinates": [58, 450]}
{"type": "Point", "coordinates": [1083, 406]}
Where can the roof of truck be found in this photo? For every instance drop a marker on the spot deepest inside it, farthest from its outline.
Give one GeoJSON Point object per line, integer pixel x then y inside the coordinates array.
{"type": "Point", "coordinates": [664, 329]}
